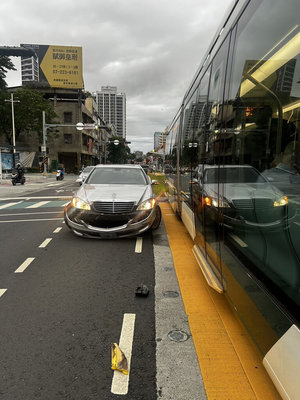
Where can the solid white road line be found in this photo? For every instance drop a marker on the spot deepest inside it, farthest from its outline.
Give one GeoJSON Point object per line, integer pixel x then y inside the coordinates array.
{"type": "Point", "coordinates": [30, 213]}
{"type": "Point", "coordinates": [9, 205]}
{"type": "Point", "coordinates": [120, 381]}
{"type": "Point", "coordinates": [39, 204]}
{"type": "Point", "coordinates": [32, 220]}
{"type": "Point", "coordinates": [36, 197]}
{"type": "Point", "coordinates": [139, 244]}
{"type": "Point", "coordinates": [57, 230]}
{"type": "Point", "coordinates": [24, 265]}
{"type": "Point", "coordinates": [2, 291]}
{"type": "Point", "coordinates": [45, 242]}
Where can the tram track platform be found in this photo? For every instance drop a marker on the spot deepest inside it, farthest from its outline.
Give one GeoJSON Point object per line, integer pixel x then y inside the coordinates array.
{"type": "Point", "coordinates": [230, 363]}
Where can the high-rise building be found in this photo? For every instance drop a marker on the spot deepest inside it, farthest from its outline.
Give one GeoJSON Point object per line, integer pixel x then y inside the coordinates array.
{"type": "Point", "coordinates": [112, 108]}
{"type": "Point", "coordinates": [29, 69]}
{"type": "Point", "coordinates": [159, 140]}
{"type": "Point", "coordinates": [157, 136]}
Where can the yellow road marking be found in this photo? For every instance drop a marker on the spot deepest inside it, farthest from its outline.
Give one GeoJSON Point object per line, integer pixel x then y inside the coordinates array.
{"type": "Point", "coordinates": [230, 363]}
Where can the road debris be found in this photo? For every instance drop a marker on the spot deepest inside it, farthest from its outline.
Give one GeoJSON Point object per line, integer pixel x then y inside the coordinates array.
{"type": "Point", "coordinates": [118, 359]}
{"type": "Point", "coordinates": [142, 291]}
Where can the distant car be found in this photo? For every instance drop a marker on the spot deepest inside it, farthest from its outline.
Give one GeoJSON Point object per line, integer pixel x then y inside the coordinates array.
{"type": "Point", "coordinates": [84, 174]}
{"type": "Point", "coordinates": [114, 201]}
{"type": "Point", "coordinates": [237, 195]}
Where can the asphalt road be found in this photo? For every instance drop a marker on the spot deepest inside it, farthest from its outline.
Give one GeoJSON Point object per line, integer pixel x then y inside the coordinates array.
{"type": "Point", "coordinates": [63, 300]}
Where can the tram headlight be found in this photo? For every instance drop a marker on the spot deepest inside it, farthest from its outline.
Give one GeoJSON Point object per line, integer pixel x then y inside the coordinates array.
{"type": "Point", "coordinates": [282, 201]}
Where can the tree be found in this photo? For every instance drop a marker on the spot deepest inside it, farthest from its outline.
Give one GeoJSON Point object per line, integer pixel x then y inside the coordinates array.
{"type": "Point", "coordinates": [117, 154]}
{"type": "Point", "coordinates": [5, 66]}
{"type": "Point", "coordinates": [27, 112]}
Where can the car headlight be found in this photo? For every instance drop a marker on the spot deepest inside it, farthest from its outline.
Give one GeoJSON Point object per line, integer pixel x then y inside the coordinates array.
{"type": "Point", "coordinates": [212, 201]}
{"type": "Point", "coordinates": [283, 201]}
{"type": "Point", "coordinates": [146, 205]}
{"type": "Point", "coordinates": [78, 203]}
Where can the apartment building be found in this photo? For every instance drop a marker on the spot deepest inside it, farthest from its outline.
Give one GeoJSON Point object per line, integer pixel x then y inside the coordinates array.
{"type": "Point", "coordinates": [112, 108]}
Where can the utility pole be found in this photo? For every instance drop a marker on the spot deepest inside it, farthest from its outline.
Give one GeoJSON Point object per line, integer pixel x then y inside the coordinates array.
{"type": "Point", "coordinates": [12, 101]}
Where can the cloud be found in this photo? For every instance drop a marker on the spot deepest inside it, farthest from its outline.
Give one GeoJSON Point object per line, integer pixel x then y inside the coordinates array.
{"type": "Point", "coordinates": [149, 49]}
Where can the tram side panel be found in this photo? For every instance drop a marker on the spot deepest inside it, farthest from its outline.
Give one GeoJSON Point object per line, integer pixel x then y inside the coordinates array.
{"type": "Point", "coordinates": [239, 178]}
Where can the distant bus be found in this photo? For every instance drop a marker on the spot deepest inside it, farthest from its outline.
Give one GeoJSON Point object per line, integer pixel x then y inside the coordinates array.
{"type": "Point", "coordinates": [233, 176]}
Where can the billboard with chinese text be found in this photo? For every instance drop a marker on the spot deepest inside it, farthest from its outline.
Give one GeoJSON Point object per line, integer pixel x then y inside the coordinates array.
{"type": "Point", "coordinates": [59, 66]}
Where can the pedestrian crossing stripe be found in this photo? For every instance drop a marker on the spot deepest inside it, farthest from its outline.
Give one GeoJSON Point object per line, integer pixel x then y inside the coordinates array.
{"type": "Point", "coordinates": [33, 204]}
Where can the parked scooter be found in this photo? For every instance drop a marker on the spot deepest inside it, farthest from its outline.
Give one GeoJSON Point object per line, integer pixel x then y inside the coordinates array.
{"type": "Point", "coordinates": [60, 174]}
{"type": "Point", "coordinates": [17, 175]}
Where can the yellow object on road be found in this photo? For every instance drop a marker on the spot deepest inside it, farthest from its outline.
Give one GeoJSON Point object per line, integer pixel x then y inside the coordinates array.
{"type": "Point", "coordinates": [118, 359]}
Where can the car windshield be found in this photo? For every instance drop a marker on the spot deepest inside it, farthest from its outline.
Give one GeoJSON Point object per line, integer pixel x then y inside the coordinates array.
{"type": "Point", "coordinates": [117, 176]}
{"type": "Point", "coordinates": [233, 175]}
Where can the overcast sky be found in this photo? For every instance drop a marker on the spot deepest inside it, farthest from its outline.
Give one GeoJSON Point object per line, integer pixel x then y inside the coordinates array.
{"type": "Point", "coordinates": [149, 49]}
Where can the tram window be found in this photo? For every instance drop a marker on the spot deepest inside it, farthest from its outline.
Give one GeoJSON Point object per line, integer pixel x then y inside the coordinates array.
{"type": "Point", "coordinates": [233, 175]}
{"type": "Point", "coordinates": [264, 102]}
{"type": "Point", "coordinates": [216, 92]}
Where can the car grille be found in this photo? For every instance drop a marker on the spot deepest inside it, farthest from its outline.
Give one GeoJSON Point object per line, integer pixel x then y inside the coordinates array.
{"type": "Point", "coordinates": [251, 204]}
{"type": "Point", "coordinates": [113, 207]}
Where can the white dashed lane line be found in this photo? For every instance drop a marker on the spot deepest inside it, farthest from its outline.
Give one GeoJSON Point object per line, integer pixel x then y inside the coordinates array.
{"type": "Point", "coordinates": [120, 381]}
{"type": "Point", "coordinates": [57, 230]}
{"type": "Point", "coordinates": [2, 291]}
{"type": "Point", "coordinates": [139, 245]}
{"type": "Point", "coordinates": [45, 243]}
{"type": "Point", "coordinates": [24, 265]}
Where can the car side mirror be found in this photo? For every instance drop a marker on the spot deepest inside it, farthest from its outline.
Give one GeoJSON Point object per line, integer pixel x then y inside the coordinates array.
{"type": "Point", "coordinates": [154, 182]}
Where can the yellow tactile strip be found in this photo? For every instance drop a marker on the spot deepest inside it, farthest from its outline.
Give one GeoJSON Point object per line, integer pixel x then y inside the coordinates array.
{"type": "Point", "coordinates": [230, 363]}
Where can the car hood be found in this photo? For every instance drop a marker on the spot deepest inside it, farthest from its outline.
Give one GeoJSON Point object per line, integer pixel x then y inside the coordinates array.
{"type": "Point", "coordinates": [136, 193]}
{"type": "Point", "coordinates": [236, 191]}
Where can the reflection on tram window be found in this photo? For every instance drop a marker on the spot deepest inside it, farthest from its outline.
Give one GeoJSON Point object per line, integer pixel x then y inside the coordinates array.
{"type": "Point", "coordinates": [239, 197]}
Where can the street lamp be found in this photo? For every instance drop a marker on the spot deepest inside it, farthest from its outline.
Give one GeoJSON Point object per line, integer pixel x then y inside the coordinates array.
{"type": "Point", "coordinates": [12, 101]}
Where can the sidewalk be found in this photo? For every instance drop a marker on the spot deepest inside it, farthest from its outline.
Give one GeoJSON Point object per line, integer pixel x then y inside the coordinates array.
{"type": "Point", "coordinates": [34, 177]}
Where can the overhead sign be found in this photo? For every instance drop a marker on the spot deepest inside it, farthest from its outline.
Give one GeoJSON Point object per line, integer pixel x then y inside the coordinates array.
{"type": "Point", "coordinates": [59, 66]}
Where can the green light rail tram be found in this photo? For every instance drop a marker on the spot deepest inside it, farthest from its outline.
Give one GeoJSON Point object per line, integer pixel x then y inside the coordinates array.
{"type": "Point", "coordinates": [232, 168]}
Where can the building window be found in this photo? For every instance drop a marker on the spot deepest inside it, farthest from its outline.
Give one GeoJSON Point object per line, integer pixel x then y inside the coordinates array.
{"type": "Point", "coordinates": [68, 138]}
{"type": "Point", "coordinates": [67, 117]}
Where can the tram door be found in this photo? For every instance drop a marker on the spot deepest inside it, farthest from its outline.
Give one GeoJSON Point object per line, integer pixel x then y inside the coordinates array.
{"type": "Point", "coordinates": [208, 213]}
{"type": "Point", "coordinates": [199, 161]}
